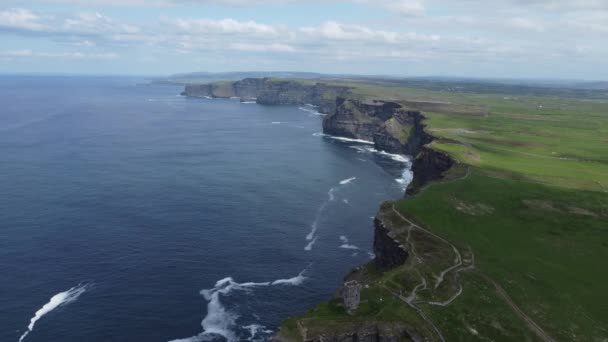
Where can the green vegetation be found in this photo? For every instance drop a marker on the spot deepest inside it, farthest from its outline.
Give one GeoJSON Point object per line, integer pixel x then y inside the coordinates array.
{"type": "Point", "coordinates": [527, 202]}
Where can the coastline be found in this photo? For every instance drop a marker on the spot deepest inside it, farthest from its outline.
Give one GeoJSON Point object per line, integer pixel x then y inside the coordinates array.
{"type": "Point", "coordinates": [354, 120]}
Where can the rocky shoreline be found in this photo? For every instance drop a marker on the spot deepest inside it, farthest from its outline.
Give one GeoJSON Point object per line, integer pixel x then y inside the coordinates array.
{"type": "Point", "coordinates": [392, 127]}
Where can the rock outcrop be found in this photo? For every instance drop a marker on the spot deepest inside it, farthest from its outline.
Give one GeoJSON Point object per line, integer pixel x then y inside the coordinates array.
{"type": "Point", "coordinates": [268, 91]}
{"type": "Point", "coordinates": [388, 250]}
{"type": "Point", "coordinates": [430, 165]}
{"type": "Point", "coordinates": [391, 127]}
{"type": "Point", "coordinates": [359, 332]}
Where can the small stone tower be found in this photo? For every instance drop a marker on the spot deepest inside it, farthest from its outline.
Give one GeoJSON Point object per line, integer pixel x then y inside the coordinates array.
{"type": "Point", "coordinates": [351, 294]}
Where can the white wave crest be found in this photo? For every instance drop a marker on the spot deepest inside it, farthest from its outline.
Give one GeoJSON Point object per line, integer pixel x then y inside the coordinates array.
{"type": "Point", "coordinates": [310, 244]}
{"type": "Point", "coordinates": [347, 181]}
{"type": "Point", "coordinates": [220, 321]}
{"type": "Point", "coordinates": [347, 246]}
{"type": "Point", "coordinates": [396, 157]}
{"type": "Point", "coordinates": [311, 111]}
{"type": "Point", "coordinates": [255, 330]}
{"type": "Point", "coordinates": [314, 226]}
{"type": "Point", "coordinates": [248, 102]}
{"type": "Point", "coordinates": [60, 299]}
{"type": "Point", "coordinates": [295, 281]}
{"type": "Point", "coordinates": [276, 122]}
{"type": "Point", "coordinates": [406, 178]}
{"type": "Point", "coordinates": [361, 141]}
{"type": "Point", "coordinates": [331, 195]}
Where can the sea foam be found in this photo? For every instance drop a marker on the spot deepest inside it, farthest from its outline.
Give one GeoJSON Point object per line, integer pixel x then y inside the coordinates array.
{"type": "Point", "coordinates": [221, 322]}
{"type": "Point", "coordinates": [361, 141]}
{"type": "Point", "coordinates": [347, 181]}
{"type": "Point", "coordinates": [60, 299]}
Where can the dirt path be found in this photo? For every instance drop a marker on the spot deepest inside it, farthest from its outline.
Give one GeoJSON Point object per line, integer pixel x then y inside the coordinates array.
{"type": "Point", "coordinates": [501, 292]}
{"type": "Point", "coordinates": [529, 321]}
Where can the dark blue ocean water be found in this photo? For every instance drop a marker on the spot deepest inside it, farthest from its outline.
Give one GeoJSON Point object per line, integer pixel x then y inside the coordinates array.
{"type": "Point", "coordinates": [124, 201]}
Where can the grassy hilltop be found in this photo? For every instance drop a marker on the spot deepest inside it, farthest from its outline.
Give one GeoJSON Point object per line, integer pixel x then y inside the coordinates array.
{"type": "Point", "coordinates": [522, 217]}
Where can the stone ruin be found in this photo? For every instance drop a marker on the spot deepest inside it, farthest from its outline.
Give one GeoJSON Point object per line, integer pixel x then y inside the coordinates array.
{"type": "Point", "coordinates": [351, 294]}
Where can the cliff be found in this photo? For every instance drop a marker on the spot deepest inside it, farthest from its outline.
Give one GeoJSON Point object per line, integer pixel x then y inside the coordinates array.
{"type": "Point", "coordinates": [389, 125]}
{"type": "Point", "coordinates": [268, 91]}
{"type": "Point", "coordinates": [359, 332]}
{"type": "Point", "coordinates": [389, 251]}
{"type": "Point", "coordinates": [394, 129]}
{"type": "Point", "coordinates": [430, 165]}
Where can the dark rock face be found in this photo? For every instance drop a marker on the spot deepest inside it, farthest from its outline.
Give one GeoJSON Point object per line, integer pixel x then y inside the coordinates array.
{"type": "Point", "coordinates": [387, 124]}
{"type": "Point", "coordinates": [348, 121]}
{"type": "Point", "coordinates": [198, 90]}
{"type": "Point", "coordinates": [389, 252]}
{"type": "Point", "coordinates": [273, 92]}
{"type": "Point", "coordinates": [363, 332]}
{"type": "Point", "coordinates": [248, 88]}
{"type": "Point", "coordinates": [429, 165]}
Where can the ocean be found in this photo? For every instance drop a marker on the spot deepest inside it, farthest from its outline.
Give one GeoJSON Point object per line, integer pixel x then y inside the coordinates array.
{"type": "Point", "coordinates": [130, 213]}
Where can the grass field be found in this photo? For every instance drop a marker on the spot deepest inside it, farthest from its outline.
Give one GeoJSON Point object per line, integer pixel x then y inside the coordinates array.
{"type": "Point", "coordinates": [532, 212]}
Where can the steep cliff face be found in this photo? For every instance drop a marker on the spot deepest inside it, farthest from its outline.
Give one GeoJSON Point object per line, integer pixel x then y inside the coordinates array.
{"type": "Point", "coordinates": [273, 92]}
{"type": "Point", "coordinates": [389, 252]}
{"type": "Point", "coordinates": [359, 332]}
{"type": "Point", "coordinates": [429, 166]}
{"type": "Point", "coordinates": [387, 124]}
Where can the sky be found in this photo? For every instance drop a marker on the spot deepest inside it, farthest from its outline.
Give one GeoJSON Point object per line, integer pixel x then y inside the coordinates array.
{"type": "Point", "coordinates": [548, 39]}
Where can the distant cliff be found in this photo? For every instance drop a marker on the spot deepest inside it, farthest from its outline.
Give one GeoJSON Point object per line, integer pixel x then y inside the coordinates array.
{"type": "Point", "coordinates": [269, 91]}
{"type": "Point", "coordinates": [391, 127]}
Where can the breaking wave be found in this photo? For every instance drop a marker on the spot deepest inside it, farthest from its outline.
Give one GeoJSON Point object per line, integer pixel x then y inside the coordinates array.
{"type": "Point", "coordinates": [257, 332]}
{"type": "Point", "coordinates": [60, 299]}
{"type": "Point", "coordinates": [406, 178]}
{"type": "Point", "coordinates": [311, 111]}
{"type": "Point", "coordinates": [221, 322]}
{"type": "Point", "coordinates": [308, 247]}
{"type": "Point", "coordinates": [396, 157]}
{"type": "Point", "coordinates": [311, 237]}
{"type": "Point", "coordinates": [346, 245]}
{"type": "Point", "coordinates": [347, 181]}
{"type": "Point", "coordinates": [343, 139]}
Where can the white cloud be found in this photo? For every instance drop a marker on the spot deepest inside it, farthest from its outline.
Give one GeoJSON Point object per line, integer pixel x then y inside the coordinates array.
{"type": "Point", "coordinates": [223, 26]}
{"type": "Point", "coordinates": [337, 31]}
{"type": "Point", "coordinates": [408, 8]}
{"type": "Point", "coordinates": [276, 47]}
{"type": "Point", "coordinates": [16, 53]}
{"type": "Point", "coordinates": [27, 53]}
{"type": "Point", "coordinates": [20, 19]}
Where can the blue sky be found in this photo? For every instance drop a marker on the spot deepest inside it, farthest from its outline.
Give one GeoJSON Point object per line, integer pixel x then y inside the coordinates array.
{"type": "Point", "coordinates": [559, 39]}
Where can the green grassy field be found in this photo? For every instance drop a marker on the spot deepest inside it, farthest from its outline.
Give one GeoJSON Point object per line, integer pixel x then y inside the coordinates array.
{"type": "Point", "coordinates": [532, 209]}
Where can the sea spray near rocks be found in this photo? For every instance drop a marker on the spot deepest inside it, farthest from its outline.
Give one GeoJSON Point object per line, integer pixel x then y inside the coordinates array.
{"type": "Point", "coordinates": [220, 321]}
{"type": "Point", "coordinates": [346, 245]}
{"type": "Point", "coordinates": [60, 299]}
{"type": "Point", "coordinates": [361, 141]}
